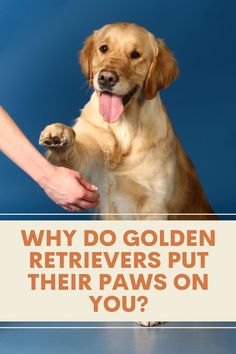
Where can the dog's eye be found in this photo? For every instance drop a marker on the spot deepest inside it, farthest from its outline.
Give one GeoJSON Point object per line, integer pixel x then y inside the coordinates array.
{"type": "Point", "coordinates": [135, 54]}
{"type": "Point", "coordinates": [103, 48]}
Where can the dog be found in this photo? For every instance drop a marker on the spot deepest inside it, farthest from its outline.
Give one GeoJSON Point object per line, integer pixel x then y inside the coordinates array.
{"type": "Point", "coordinates": [124, 142]}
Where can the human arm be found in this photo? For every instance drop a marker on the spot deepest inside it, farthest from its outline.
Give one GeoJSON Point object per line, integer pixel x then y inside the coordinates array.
{"type": "Point", "coordinates": [65, 187]}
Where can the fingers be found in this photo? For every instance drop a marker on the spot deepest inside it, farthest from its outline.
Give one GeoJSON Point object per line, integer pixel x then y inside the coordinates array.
{"type": "Point", "coordinates": [87, 185]}
{"type": "Point", "coordinates": [81, 206]}
{"type": "Point", "coordinates": [83, 196]}
{"type": "Point", "coordinates": [91, 197]}
{"type": "Point", "coordinates": [67, 208]}
{"type": "Point", "coordinates": [87, 205]}
{"type": "Point", "coordinates": [72, 208]}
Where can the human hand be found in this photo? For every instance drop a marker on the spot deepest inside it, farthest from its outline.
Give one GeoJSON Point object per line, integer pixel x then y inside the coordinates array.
{"type": "Point", "coordinates": [68, 189]}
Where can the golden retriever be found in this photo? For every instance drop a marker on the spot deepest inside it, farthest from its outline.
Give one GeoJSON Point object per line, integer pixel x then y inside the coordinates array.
{"type": "Point", "coordinates": [124, 141]}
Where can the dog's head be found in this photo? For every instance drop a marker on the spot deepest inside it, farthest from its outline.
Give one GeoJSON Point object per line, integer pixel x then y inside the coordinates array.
{"type": "Point", "coordinates": [122, 60]}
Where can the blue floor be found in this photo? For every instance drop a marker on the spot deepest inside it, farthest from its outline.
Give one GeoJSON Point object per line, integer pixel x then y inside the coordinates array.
{"type": "Point", "coordinates": [164, 340]}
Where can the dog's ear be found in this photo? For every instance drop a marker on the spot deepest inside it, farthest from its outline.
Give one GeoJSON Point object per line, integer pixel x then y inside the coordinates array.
{"type": "Point", "coordinates": [85, 59]}
{"type": "Point", "coordinates": [162, 71]}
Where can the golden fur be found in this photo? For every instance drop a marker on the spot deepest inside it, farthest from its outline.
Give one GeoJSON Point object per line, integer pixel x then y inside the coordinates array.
{"type": "Point", "coordinates": [137, 162]}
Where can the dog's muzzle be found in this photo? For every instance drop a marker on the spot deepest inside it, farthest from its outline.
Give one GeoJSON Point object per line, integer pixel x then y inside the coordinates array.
{"type": "Point", "coordinates": [107, 79]}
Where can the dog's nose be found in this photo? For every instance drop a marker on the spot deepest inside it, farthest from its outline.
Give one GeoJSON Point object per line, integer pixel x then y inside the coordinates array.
{"type": "Point", "coordinates": [107, 79]}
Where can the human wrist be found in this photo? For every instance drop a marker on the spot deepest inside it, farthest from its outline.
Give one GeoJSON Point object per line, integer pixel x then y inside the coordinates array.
{"type": "Point", "coordinates": [45, 173]}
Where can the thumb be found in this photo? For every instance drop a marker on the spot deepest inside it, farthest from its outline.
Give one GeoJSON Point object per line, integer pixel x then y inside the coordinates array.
{"type": "Point", "coordinates": [87, 185]}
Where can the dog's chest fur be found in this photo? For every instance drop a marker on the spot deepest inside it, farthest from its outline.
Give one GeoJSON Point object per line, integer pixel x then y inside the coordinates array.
{"type": "Point", "coordinates": [137, 173]}
{"type": "Point", "coordinates": [130, 185]}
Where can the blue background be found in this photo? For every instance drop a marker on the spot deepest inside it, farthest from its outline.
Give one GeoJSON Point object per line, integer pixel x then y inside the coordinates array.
{"type": "Point", "coordinates": [41, 82]}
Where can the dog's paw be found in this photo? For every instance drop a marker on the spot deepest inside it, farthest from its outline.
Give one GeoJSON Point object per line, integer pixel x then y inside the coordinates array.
{"type": "Point", "coordinates": [57, 136]}
{"type": "Point", "coordinates": [150, 323]}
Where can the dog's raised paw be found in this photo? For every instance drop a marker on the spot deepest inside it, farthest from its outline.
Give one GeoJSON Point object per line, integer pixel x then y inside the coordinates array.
{"type": "Point", "coordinates": [150, 323]}
{"type": "Point", "coordinates": [57, 136]}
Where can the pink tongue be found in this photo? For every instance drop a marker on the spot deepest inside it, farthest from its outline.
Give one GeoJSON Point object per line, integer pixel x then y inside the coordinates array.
{"type": "Point", "coordinates": [110, 107]}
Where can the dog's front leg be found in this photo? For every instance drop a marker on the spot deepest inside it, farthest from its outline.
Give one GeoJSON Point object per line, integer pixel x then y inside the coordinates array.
{"type": "Point", "coordinates": [73, 149]}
